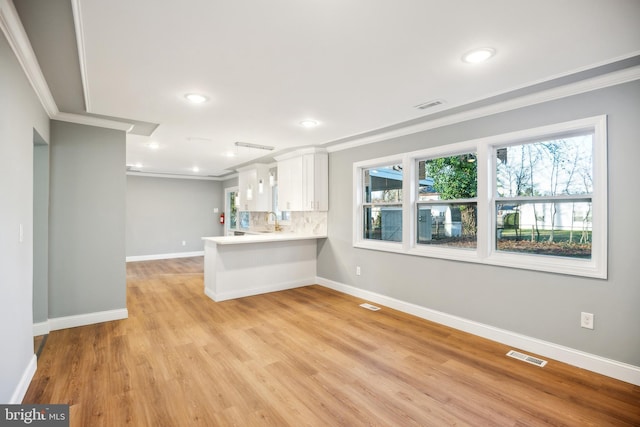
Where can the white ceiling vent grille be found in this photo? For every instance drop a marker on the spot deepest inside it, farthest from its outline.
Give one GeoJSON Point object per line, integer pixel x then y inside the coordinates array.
{"type": "Point", "coordinates": [527, 358]}
{"type": "Point", "coordinates": [369, 307]}
{"type": "Point", "coordinates": [430, 104]}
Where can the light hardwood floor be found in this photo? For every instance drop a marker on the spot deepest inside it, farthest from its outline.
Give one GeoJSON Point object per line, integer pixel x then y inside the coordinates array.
{"type": "Point", "coordinates": [305, 357]}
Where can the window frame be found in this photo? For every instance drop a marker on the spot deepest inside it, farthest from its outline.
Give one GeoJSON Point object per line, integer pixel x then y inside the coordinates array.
{"type": "Point", "coordinates": [358, 230]}
{"type": "Point", "coordinates": [442, 249]}
{"type": "Point", "coordinates": [437, 251]}
{"type": "Point", "coordinates": [284, 217]}
{"type": "Point", "coordinates": [485, 251]}
{"type": "Point", "coordinates": [228, 211]}
{"type": "Point", "coordinates": [596, 266]}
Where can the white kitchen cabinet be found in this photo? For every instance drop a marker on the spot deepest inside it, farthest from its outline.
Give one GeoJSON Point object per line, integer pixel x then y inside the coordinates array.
{"type": "Point", "coordinates": [315, 182]}
{"type": "Point", "coordinates": [290, 184]}
{"type": "Point", "coordinates": [303, 181]}
{"type": "Point", "coordinates": [254, 189]}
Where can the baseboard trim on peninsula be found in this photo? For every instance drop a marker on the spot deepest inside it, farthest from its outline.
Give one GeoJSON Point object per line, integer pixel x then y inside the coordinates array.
{"type": "Point", "coordinates": [164, 256]}
{"type": "Point", "coordinates": [25, 380]}
{"type": "Point", "coordinates": [223, 296]}
{"type": "Point", "coordinates": [87, 319]}
{"type": "Point", "coordinates": [601, 365]}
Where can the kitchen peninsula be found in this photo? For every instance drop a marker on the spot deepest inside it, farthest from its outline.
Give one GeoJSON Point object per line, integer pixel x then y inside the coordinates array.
{"type": "Point", "coordinates": [240, 266]}
{"type": "Point", "coordinates": [261, 262]}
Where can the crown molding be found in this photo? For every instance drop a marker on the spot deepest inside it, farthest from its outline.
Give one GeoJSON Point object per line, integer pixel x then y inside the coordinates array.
{"type": "Point", "coordinates": [300, 152]}
{"type": "Point", "coordinates": [17, 37]}
{"type": "Point", "coordinates": [93, 121]}
{"type": "Point", "coordinates": [176, 176]}
{"type": "Point", "coordinates": [587, 85]}
{"type": "Point", "coordinates": [82, 56]}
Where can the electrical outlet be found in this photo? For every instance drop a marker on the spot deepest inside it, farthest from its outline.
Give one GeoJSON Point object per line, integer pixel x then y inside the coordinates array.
{"type": "Point", "coordinates": [586, 320]}
{"type": "Point", "coordinates": [358, 270]}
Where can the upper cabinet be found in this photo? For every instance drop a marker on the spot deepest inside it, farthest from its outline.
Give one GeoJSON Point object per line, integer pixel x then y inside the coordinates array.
{"type": "Point", "coordinates": [315, 182]}
{"type": "Point", "coordinates": [290, 184]}
{"type": "Point", "coordinates": [254, 188]}
{"type": "Point", "coordinates": [303, 181]}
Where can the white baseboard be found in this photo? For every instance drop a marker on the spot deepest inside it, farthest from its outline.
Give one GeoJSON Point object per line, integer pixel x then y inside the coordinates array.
{"type": "Point", "coordinates": [211, 294]}
{"type": "Point", "coordinates": [164, 256]}
{"type": "Point", "coordinates": [223, 296]}
{"type": "Point", "coordinates": [25, 380]}
{"type": "Point", "coordinates": [87, 319]}
{"type": "Point", "coordinates": [41, 328]}
{"type": "Point", "coordinates": [601, 365]}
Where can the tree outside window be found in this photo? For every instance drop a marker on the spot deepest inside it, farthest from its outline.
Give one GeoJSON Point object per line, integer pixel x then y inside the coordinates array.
{"type": "Point", "coordinates": [543, 197]}
{"type": "Point", "coordinates": [446, 202]}
{"type": "Point", "coordinates": [533, 199]}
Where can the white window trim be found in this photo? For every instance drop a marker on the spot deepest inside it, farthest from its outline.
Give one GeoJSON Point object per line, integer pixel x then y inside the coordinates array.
{"type": "Point", "coordinates": [228, 230]}
{"type": "Point", "coordinates": [276, 209]}
{"type": "Point", "coordinates": [485, 251]}
{"type": "Point", "coordinates": [597, 265]}
{"type": "Point", "coordinates": [358, 239]}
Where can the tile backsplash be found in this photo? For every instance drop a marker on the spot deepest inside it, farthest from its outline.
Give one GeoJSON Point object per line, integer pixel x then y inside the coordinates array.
{"type": "Point", "coordinates": [301, 222]}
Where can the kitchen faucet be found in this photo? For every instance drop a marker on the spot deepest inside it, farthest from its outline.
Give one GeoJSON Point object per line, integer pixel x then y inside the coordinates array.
{"type": "Point", "coordinates": [277, 226]}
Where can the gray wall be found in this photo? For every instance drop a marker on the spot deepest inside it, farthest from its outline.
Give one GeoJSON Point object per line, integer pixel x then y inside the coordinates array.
{"type": "Point", "coordinates": [232, 182]}
{"type": "Point", "coordinates": [40, 230]}
{"type": "Point", "coordinates": [540, 305]}
{"type": "Point", "coordinates": [164, 212]}
{"type": "Point", "coordinates": [87, 220]}
{"type": "Point", "coordinates": [20, 114]}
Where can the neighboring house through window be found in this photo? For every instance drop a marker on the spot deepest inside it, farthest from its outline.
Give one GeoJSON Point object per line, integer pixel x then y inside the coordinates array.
{"type": "Point", "coordinates": [535, 199]}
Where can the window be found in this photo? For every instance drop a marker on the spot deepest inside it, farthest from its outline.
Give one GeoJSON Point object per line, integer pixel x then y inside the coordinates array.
{"type": "Point", "coordinates": [382, 206]}
{"type": "Point", "coordinates": [543, 194]}
{"type": "Point", "coordinates": [535, 199]}
{"type": "Point", "coordinates": [235, 220]}
{"type": "Point", "coordinates": [233, 210]}
{"type": "Point", "coordinates": [283, 216]}
{"type": "Point", "coordinates": [446, 201]}
{"type": "Point", "coordinates": [244, 219]}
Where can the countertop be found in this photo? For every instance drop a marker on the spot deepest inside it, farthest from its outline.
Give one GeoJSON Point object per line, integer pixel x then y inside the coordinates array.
{"type": "Point", "coordinates": [261, 238]}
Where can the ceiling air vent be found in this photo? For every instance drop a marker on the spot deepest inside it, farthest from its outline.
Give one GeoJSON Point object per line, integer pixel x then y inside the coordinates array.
{"type": "Point", "coordinates": [527, 358]}
{"type": "Point", "coordinates": [429, 104]}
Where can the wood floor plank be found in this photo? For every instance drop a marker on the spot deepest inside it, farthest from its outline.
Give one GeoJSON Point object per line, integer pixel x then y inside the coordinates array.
{"type": "Point", "coordinates": [304, 357]}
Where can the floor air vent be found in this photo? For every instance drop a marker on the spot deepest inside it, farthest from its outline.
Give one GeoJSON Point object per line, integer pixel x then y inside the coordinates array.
{"type": "Point", "coordinates": [369, 307]}
{"type": "Point", "coordinates": [527, 358]}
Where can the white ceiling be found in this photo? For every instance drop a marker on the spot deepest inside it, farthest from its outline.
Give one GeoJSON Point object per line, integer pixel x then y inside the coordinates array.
{"type": "Point", "coordinates": [353, 65]}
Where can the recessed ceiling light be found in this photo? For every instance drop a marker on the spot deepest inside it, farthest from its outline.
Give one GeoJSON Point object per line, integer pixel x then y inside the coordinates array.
{"type": "Point", "coordinates": [230, 154]}
{"type": "Point", "coordinates": [195, 169]}
{"type": "Point", "coordinates": [196, 98]}
{"type": "Point", "coordinates": [153, 145]}
{"type": "Point", "coordinates": [309, 123]}
{"type": "Point", "coordinates": [138, 165]}
{"type": "Point", "coordinates": [478, 55]}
